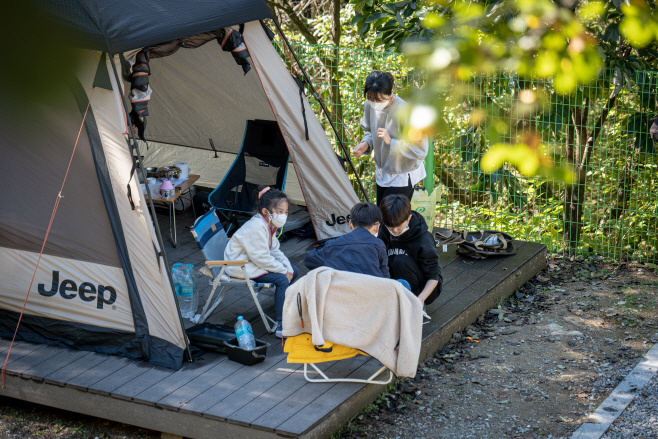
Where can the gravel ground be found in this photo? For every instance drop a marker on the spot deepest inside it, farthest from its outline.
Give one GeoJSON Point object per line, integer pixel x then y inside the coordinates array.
{"type": "Point", "coordinates": [640, 419]}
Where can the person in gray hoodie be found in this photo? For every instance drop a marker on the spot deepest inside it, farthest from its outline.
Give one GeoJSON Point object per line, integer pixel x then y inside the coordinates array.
{"type": "Point", "coordinates": [399, 164]}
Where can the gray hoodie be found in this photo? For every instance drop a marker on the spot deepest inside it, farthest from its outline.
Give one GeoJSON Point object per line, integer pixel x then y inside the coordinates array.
{"type": "Point", "coordinates": [398, 157]}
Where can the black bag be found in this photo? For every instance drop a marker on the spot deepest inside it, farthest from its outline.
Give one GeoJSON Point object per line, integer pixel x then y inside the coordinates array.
{"type": "Point", "coordinates": [485, 243]}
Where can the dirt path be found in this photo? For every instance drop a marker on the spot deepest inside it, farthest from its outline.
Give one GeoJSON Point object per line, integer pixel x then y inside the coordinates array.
{"type": "Point", "coordinates": [535, 366]}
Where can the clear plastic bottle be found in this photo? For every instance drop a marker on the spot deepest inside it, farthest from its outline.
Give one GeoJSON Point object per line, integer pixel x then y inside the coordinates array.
{"type": "Point", "coordinates": [245, 334]}
{"type": "Point", "coordinates": [187, 300]}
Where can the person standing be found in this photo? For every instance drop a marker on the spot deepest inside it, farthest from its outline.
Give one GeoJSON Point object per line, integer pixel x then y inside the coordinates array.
{"type": "Point", "coordinates": [399, 164]}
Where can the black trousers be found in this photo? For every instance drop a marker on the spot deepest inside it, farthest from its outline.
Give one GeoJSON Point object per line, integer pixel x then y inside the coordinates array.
{"type": "Point", "coordinates": [382, 192]}
{"type": "Point", "coordinates": [404, 267]}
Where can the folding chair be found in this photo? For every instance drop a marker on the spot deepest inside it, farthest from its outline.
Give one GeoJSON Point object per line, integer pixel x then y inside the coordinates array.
{"type": "Point", "coordinates": [212, 240]}
{"type": "Point", "coordinates": [263, 160]}
{"type": "Point", "coordinates": [300, 349]}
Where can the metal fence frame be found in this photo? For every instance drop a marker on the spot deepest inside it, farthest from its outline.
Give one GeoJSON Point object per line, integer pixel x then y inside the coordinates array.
{"type": "Point", "coordinates": [619, 212]}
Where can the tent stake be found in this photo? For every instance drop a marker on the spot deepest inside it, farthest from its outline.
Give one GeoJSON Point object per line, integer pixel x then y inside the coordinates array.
{"type": "Point", "coordinates": [154, 218]}
{"type": "Point", "coordinates": [324, 109]}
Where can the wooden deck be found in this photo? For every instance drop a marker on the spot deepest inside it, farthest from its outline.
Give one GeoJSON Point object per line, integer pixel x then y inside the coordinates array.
{"type": "Point", "coordinates": [214, 397]}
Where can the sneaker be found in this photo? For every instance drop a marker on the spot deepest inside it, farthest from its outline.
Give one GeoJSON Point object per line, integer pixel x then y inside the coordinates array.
{"type": "Point", "coordinates": [279, 330]}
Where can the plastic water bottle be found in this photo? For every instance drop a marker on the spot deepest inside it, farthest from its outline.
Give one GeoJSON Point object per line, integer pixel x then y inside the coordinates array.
{"type": "Point", "coordinates": [187, 300]}
{"type": "Point", "coordinates": [245, 334]}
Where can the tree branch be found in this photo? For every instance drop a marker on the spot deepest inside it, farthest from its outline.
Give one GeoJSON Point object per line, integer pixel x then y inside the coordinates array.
{"type": "Point", "coordinates": [296, 20]}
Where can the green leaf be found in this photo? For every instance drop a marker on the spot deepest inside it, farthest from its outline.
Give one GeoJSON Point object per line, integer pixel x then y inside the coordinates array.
{"type": "Point", "coordinates": [370, 2]}
{"type": "Point", "coordinates": [408, 11]}
{"type": "Point", "coordinates": [401, 4]}
{"type": "Point", "coordinates": [357, 18]}
{"type": "Point", "coordinates": [389, 7]}
{"type": "Point", "coordinates": [611, 34]}
{"type": "Point", "coordinates": [399, 19]}
{"type": "Point", "coordinates": [375, 16]}
{"type": "Point", "coordinates": [365, 28]}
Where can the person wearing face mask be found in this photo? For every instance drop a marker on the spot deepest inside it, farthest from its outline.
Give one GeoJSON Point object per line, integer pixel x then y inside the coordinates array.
{"type": "Point", "coordinates": [256, 241]}
{"type": "Point", "coordinates": [411, 249]}
{"type": "Point", "coordinates": [359, 251]}
{"type": "Point", "coordinates": [399, 164]}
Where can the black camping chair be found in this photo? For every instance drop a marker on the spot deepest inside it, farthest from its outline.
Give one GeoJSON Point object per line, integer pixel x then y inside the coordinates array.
{"type": "Point", "coordinates": [262, 160]}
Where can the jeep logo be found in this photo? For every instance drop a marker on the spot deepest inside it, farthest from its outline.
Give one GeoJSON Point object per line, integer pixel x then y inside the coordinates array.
{"type": "Point", "coordinates": [339, 220]}
{"type": "Point", "coordinates": [87, 291]}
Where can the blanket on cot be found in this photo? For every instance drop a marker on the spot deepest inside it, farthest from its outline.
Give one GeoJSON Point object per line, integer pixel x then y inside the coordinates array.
{"type": "Point", "coordinates": [375, 315]}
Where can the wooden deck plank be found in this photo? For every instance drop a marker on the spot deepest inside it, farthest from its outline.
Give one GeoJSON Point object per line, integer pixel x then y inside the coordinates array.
{"type": "Point", "coordinates": [62, 359]}
{"type": "Point", "coordinates": [117, 379]}
{"type": "Point", "coordinates": [241, 397]}
{"type": "Point", "coordinates": [141, 383]}
{"type": "Point", "coordinates": [4, 345]}
{"type": "Point", "coordinates": [233, 382]}
{"type": "Point", "coordinates": [19, 365]}
{"type": "Point", "coordinates": [176, 380]}
{"type": "Point", "coordinates": [82, 364]}
{"type": "Point", "coordinates": [268, 399]}
{"type": "Point", "coordinates": [178, 399]}
{"type": "Point", "coordinates": [20, 350]}
{"type": "Point", "coordinates": [313, 413]}
{"type": "Point", "coordinates": [91, 376]}
{"type": "Point", "coordinates": [309, 392]}
{"type": "Point", "coordinates": [463, 273]}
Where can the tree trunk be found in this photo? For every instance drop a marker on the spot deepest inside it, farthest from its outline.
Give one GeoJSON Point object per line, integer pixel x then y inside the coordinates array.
{"type": "Point", "coordinates": [336, 101]}
{"type": "Point", "coordinates": [579, 151]}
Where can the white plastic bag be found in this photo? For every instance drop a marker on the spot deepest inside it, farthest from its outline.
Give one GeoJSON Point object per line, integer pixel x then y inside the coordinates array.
{"type": "Point", "coordinates": [425, 204]}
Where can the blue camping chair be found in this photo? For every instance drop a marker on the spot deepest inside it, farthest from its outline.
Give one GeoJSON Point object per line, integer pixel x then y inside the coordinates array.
{"type": "Point", "coordinates": [209, 234]}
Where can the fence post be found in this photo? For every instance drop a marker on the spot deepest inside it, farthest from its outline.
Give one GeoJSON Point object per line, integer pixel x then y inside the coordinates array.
{"type": "Point", "coordinates": [429, 167]}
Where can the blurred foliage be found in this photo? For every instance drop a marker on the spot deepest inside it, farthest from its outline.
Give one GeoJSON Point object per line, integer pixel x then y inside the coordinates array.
{"type": "Point", "coordinates": [522, 98]}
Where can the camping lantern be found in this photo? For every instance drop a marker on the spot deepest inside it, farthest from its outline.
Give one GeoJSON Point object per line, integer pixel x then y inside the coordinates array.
{"type": "Point", "coordinates": [166, 189]}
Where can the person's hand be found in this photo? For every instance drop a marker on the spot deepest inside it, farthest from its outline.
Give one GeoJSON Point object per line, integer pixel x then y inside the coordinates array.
{"type": "Point", "coordinates": [289, 276]}
{"type": "Point", "coordinates": [383, 134]}
{"type": "Point", "coordinates": [360, 149]}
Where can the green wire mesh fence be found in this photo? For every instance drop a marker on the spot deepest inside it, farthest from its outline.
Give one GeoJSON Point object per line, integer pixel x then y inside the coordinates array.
{"type": "Point", "coordinates": [602, 131]}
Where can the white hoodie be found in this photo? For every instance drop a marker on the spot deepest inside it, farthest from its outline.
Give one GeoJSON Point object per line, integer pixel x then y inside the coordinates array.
{"type": "Point", "coordinates": [255, 242]}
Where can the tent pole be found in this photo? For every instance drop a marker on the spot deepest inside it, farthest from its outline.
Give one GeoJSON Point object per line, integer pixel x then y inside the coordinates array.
{"type": "Point", "coordinates": [154, 218]}
{"type": "Point", "coordinates": [324, 109]}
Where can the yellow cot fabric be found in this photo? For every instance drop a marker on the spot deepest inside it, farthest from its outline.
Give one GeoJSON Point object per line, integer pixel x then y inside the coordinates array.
{"type": "Point", "coordinates": [300, 349]}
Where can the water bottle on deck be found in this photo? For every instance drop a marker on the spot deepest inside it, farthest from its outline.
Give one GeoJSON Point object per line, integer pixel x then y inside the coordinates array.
{"type": "Point", "coordinates": [244, 334]}
{"type": "Point", "coordinates": [186, 299]}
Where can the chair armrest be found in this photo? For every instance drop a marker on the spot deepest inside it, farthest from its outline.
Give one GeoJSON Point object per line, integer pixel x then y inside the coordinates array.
{"type": "Point", "coordinates": [220, 263]}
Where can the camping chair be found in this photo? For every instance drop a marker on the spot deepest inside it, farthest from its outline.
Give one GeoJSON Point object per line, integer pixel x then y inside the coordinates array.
{"type": "Point", "coordinates": [300, 349]}
{"type": "Point", "coordinates": [262, 160]}
{"type": "Point", "coordinates": [212, 240]}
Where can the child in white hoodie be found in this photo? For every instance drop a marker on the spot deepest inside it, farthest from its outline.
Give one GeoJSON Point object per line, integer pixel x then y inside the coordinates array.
{"type": "Point", "coordinates": [256, 241]}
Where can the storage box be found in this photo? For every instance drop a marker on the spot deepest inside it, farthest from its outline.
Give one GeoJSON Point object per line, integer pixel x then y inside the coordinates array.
{"type": "Point", "coordinates": [248, 358]}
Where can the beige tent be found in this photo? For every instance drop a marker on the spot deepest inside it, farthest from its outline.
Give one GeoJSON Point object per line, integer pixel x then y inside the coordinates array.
{"type": "Point", "coordinates": [102, 282]}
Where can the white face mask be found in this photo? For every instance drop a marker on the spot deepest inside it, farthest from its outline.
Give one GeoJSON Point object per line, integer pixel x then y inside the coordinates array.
{"type": "Point", "coordinates": [399, 234]}
{"type": "Point", "coordinates": [278, 219]}
{"type": "Point", "coordinates": [379, 106]}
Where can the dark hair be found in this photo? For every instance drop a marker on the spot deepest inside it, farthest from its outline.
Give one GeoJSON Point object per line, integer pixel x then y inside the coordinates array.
{"type": "Point", "coordinates": [271, 198]}
{"type": "Point", "coordinates": [378, 82]}
{"type": "Point", "coordinates": [396, 209]}
{"type": "Point", "coordinates": [365, 215]}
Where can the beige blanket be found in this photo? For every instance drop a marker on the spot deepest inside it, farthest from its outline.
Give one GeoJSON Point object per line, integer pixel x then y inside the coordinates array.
{"type": "Point", "coordinates": [375, 315]}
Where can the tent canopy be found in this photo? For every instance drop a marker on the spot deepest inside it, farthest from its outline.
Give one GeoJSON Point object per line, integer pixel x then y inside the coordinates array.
{"type": "Point", "coordinates": [115, 26]}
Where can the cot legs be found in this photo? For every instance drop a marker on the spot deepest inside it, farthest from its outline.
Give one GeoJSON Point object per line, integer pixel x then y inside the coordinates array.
{"type": "Point", "coordinates": [326, 379]}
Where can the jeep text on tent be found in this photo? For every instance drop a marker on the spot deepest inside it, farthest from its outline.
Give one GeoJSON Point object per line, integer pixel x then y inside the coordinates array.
{"type": "Point", "coordinates": [86, 291]}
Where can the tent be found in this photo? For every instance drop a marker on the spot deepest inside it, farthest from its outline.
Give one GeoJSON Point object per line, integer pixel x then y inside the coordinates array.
{"type": "Point", "coordinates": [101, 281]}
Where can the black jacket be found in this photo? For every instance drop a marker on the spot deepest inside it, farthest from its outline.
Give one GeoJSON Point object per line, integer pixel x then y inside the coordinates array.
{"type": "Point", "coordinates": [358, 252]}
{"type": "Point", "coordinates": [419, 244]}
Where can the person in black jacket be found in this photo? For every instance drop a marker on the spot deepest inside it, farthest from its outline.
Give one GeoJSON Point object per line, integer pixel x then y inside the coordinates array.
{"type": "Point", "coordinates": [411, 249]}
{"type": "Point", "coordinates": [359, 251]}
